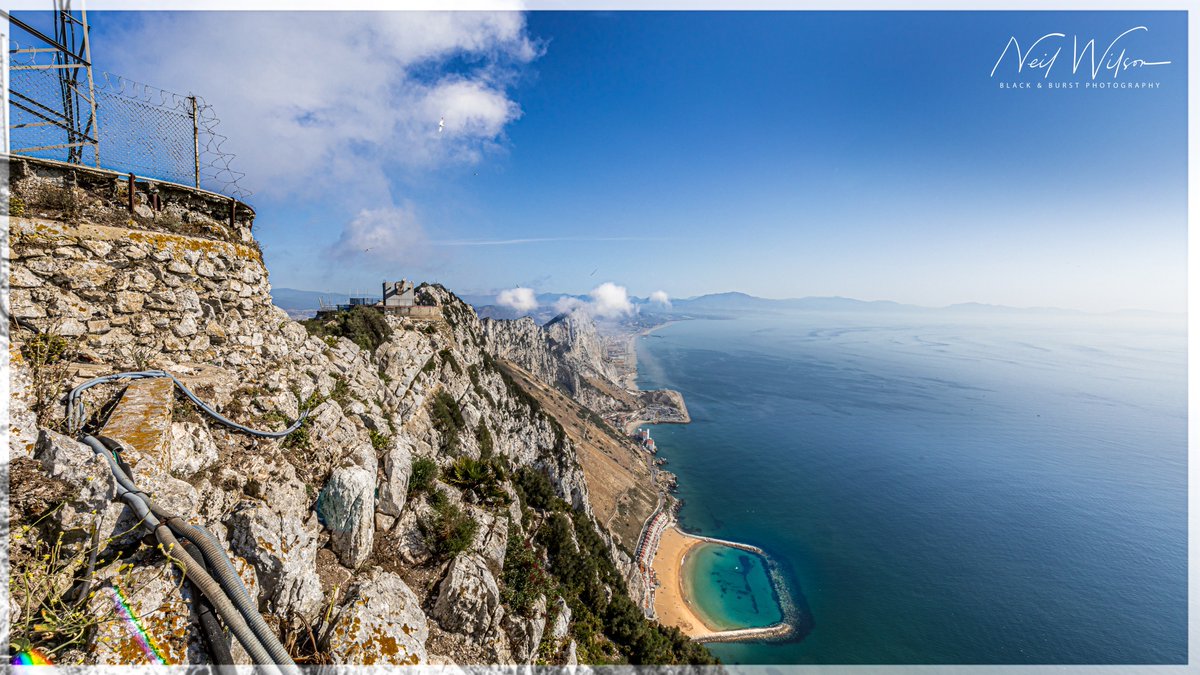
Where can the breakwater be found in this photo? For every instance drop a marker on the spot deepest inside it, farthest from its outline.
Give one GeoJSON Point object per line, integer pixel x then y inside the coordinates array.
{"type": "Point", "coordinates": [793, 617]}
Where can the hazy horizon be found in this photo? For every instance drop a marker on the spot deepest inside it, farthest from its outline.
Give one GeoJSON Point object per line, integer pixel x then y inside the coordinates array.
{"type": "Point", "coordinates": [643, 301]}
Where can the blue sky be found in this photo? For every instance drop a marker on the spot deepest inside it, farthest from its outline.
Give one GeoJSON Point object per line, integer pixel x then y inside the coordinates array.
{"type": "Point", "coordinates": [865, 154]}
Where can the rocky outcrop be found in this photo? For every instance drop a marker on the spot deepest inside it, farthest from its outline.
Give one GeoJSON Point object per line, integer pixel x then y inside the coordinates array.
{"type": "Point", "coordinates": [346, 509]}
{"type": "Point", "coordinates": [397, 469]}
{"type": "Point", "coordinates": [468, 599]}
{"type": "Point", "coordinates": [525, 633]}
{"type": "Point", "coordinates": [380, 623]}
{"type": "Point", "coordinates": [89, 477]}
{"type": "Point", "coordinates": [278, 535]}
{"type": "Point", "coordinates": [568, 353]}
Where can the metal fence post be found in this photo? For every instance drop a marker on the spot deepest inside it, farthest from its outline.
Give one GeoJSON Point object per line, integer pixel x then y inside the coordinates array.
{"type": "Point", "coordinates": [196, 137]}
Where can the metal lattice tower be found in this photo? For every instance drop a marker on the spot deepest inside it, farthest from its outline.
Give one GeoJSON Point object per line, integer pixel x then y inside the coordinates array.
{"type": "Point", "coordinates": [67, 53]}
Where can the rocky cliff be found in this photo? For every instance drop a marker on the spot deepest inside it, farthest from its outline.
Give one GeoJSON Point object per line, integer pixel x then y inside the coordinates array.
{"type": "Point", "coordinates": [568, 353]}
{"type": "Point", "coordinates": [428, 510]}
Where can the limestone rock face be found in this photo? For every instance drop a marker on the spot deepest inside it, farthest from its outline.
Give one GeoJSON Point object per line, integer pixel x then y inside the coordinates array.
{"type": "Point", "coordinates": [562, 620]}
{"type": "Point", "coordinates": [492, 540]}
{"type": "Point", "coordinates": [572, 657]}
{"type": "Point", "coordinates": [346, 508]}
{"type": "Point", "coordinates": [380, 623]}
{"type": "Point", "coordinates": [525, 633]}
{"type": "Point", "coordinates": [23, 426]}
{"type": "Point", "coordinates": [397, 469]}
{"type": "Point", "coordinates": [468, 598]}
{"type": "Point", "coordinates": [85, 471]}
{"type": "Point", "coordinates": [191, 449]}
{"type": "Point", "coordinates": [282, 546]}
{"type": "Point", "coordinates": [156, 596]}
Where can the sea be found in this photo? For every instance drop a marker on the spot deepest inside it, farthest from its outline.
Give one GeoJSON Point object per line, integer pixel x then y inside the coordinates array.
{"type": "Point", "coordinates": [935, 488]}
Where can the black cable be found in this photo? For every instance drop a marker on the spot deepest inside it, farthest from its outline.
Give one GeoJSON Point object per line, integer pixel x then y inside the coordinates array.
{"type": "Point", "coordinates": [215, 637]}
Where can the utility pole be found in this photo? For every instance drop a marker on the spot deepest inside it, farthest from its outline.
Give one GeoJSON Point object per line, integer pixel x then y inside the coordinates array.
{"type": "Point", "coordinates": [196, 137]}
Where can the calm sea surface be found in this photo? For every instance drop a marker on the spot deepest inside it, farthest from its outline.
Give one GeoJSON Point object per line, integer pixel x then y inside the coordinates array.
{"type": "Point", "coordinates": [989, 489]}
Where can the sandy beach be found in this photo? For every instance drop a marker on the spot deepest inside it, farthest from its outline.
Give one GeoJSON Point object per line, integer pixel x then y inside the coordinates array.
{"type": "Point", "coordinates": [670, 604]}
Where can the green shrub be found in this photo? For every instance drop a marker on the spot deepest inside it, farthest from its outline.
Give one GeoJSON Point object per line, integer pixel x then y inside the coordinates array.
{"type": "Point", "coordinates": [486, 444]}
{"type": "Point", "coordinates": [449, 529]}
{"type": "Point", "coordinates": [424, 473]}
{"type": "Point", "coordinates": [364, 326]}
{"type": "Point", "coordinates": [534, 489]}
{"type": "Point", "coordinates": [481, 476]}
{"type": "Point", "coordinates": [447, 419]}
{"type": "Point", "coordinates": [44, 349]}
{"type": "Point", "coordinates": [523, 578]}
{"type": "Point", "coordinates": [379, 441]}
{"type": "Point", "coordinates": [448, 358]}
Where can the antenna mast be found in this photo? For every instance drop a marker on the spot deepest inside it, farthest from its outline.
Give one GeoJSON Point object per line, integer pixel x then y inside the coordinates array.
{"type": "Point", "coordinates": [68, 54]}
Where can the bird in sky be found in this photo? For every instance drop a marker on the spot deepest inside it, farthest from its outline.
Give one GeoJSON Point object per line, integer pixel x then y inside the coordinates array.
{"type": "Point", "coordinates": [594, 272]}
{"type": "Point", "coordinates": [441, 124]}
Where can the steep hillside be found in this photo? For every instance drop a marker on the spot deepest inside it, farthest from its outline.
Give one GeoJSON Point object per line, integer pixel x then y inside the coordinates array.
{"type": "Point", "coordinates": [569, 354]}
{"type": "Point", "coordinates": [429, 509]}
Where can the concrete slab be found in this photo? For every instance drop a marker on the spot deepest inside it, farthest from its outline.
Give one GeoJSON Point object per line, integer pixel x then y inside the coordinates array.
{"type": "Point", "coordinates": [141, 421]}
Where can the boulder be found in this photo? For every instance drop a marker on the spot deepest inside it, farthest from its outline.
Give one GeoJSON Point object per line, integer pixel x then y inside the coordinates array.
{"type": "Point", "coordinates": [562, 620]}
{"type": "Point", "coordinates": [154, 596]}
{"type": "Point", "coordinates": [492, 539]}
{"type": "Point", "coordinates": [468, 599]}
{"type": "Point", "coordinates": [90, 476]}
{"type": "Point", "coordinates": [380, 623]}
{"type": "Point", "coordinates": [282, 547]}
{"type": "Point", "coordinates": [525, 633]}
{"type": "Point", "coordinates": [397, 470]}
{"type": "Point", "coordinates": [346, 508]}
{"type": "Point", "coordinates": [191, 449]}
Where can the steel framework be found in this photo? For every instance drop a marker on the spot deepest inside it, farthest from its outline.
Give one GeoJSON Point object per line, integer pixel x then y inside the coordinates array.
{"type": "Point", "coordinates": [67, 52]}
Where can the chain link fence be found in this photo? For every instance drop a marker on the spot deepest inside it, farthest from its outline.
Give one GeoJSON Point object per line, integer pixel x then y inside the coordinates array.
{"type": "Point", "coordinates": [141, 129]}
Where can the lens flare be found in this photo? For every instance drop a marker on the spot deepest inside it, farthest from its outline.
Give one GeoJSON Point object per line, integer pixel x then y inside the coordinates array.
{"type": "Point", "coordinates": [31, 657]}
{"type": "Point", "coordinates": [144, 639]}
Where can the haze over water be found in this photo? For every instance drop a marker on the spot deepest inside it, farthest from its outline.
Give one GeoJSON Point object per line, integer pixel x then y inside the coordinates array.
{"type": "Point", "coordinates": [943, 488]}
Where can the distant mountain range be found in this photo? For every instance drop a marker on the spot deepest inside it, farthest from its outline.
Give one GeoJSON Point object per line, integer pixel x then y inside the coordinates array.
{"type": "Point", "coordinates": [289, 299]}
{"type": "Point", "coordinates": [713, 304]}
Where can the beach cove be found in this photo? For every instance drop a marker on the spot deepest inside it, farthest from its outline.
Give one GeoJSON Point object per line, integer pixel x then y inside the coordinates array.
{"type": "Point", "coordinates": [679, 598]}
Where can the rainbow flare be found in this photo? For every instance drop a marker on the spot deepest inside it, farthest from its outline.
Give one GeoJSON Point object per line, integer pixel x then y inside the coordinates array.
{"type": "Point", "coordinates": [144, 639]}
{"type": "Point", "coordinates": [31, 657]}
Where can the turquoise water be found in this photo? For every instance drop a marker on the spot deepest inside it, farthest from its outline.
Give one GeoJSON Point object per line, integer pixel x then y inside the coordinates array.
{"type": "Point", "coordinates": [943, 490]}
{"type": "Point", "coordinates": [730, 587]}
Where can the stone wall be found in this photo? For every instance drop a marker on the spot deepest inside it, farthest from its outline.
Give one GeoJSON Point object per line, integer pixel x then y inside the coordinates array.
{"type": "Point", "coordinates": [177, 275]}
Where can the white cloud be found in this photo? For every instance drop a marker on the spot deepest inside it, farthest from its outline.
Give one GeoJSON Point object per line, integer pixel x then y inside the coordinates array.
{"type": "Point", "coordinates": [390, 235]}
{"type": "Point", "coordinates": [610, 300]}
{"type": "Point", "coordinates": [568, 304]}
{"type": "Point", "coordinates": [605, 301]}
{"type": "Point", "coordinates": [318, 103]}
{"type": "Point", "coordinates": [661, 298]}
{"type": "Point", "coordinates": [520, 299]}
